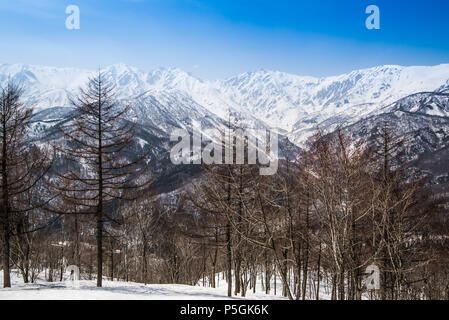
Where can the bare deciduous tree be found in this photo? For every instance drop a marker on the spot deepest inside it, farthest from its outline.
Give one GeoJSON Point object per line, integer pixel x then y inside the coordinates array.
{"type": "Point", "coordinates": [97, 139]}
{"type": "Point", "coordinates": [22, 167]}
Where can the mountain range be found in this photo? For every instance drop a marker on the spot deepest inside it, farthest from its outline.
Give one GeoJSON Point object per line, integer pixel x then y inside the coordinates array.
{"type": "Point", "coordinates": [414, 99]}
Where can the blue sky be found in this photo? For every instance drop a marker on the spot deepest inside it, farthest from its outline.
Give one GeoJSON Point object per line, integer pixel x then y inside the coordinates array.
{"type": "Point", "coordinates": [217, 39]}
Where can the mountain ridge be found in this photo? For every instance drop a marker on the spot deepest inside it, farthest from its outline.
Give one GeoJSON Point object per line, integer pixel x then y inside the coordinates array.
{"type": "Point", "coordinates": [291, 103]}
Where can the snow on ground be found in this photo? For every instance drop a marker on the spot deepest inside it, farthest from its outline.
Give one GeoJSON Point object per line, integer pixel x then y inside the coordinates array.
{"type": "Point", "coordinates": [115, 290]}
{"type": "Point", "coordinates": [324, 291]}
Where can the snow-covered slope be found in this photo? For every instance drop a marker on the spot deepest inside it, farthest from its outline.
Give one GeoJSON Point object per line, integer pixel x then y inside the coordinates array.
{"type": "Point", "coordinates": [120, 290]}
{"type": "Point", "coordinates": [421, 121]}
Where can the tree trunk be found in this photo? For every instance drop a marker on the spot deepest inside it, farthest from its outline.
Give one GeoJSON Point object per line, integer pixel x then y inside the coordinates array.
{"type": "Point", "coordinates": [5, 216]}
{"type": "Point", "coordinates": [318, 274]}
{"type": "Point", "coordinates": [229, 258]}
{"type": "Point", "coordinates": [5, 255]}
{"type": "Point", "coordinates": [112, 263]}
{"type": "Point", "coordinates": [99, 249]}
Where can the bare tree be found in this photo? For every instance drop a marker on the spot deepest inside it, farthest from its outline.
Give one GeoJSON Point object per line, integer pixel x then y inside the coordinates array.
{"type": "Point", "coordinates": [97, 139]}
{"type": "Point", "coordinates": [22, 167]}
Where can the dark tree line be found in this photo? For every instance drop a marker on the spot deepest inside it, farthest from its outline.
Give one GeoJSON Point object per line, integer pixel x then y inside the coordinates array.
{"type": "Point", "coordinates": [337, 208]}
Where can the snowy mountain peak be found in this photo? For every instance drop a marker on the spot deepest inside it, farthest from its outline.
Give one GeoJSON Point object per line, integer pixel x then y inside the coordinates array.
{"type": "Point", "coordinates": [120, 69]}
{"type": "Point", "coordinates": [172, 78]}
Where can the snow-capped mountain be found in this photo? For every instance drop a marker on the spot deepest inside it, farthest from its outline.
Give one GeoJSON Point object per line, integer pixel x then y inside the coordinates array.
{"type": "Point", "coordinates": [415, 99]}
{"type": "Point", "coordinates": [294, 104]}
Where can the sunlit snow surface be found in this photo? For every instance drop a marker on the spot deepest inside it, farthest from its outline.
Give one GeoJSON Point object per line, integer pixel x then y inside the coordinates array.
{"type": "Point", "coordinates": [120, 290]}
